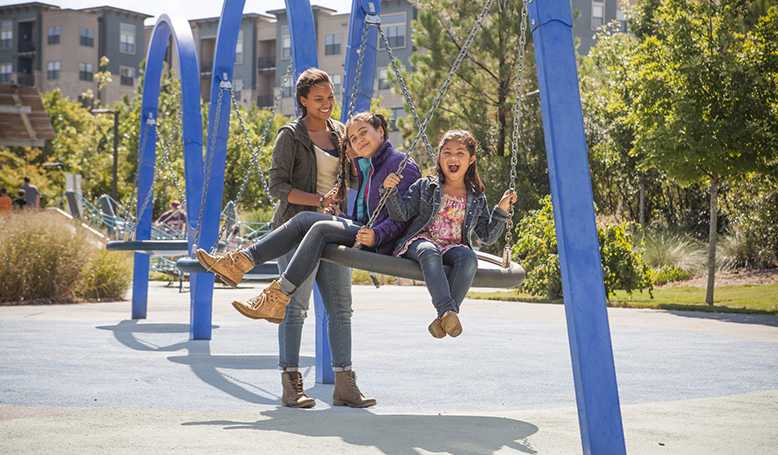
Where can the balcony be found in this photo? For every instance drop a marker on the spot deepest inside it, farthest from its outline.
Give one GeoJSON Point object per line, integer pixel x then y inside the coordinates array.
{"type": "Point", "coordinates": [26, 47]}
{"type": "Point", "coordinates": [265, 101]}
{"type": "Point", "coordinates": [266, 63]}
{"type": "Point", "coordinates": [25, 79]}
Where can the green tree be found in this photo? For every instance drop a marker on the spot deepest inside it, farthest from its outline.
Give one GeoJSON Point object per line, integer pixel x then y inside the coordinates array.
{"type": "Point", "coordinates": [705, 97]}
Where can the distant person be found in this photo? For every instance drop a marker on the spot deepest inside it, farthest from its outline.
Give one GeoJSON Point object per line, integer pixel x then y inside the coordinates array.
{"type": "Point", "coordinates": [6, 203]}
{"type": "Point", "coordinates": [175, 218]}
{"type": "Point", "coordinates": [20, 202]}
{"type": "Point", "coordinates": [31, 194]}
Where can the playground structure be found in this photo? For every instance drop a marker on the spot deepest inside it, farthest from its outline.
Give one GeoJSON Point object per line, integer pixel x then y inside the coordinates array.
{"type": "Point", "coordinates": [551, 26]}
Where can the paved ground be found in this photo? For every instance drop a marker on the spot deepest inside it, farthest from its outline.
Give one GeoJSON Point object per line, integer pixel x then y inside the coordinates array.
{"type": "Point", "coordinates": [86, 379]}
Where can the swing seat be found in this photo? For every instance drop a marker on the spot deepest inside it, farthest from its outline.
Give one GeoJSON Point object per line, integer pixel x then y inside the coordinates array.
{"type": "Point", "coordinates": [490, 273]}
{"type": "Point", "coordinates": [263, 272]}
{"type": "Point", "coordinates": [153, 247]}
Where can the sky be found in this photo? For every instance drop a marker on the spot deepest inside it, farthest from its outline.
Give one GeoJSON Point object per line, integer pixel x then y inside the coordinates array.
{"type": "Point", "coordinates": [192, 9]}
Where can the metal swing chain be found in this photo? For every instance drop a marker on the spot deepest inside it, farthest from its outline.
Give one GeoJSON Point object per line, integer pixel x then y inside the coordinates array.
{"type": "Point", "coordinates": [516, 133]}
{"type": "Point", "coordinates": [463, 52]}
{"type": "Point", "coordinates": [150, 123]}
{"type": "Point", "coordinates": [209, 153]}
{"type": "Point", "coordinates": [254, 148]}
{"type": "Point", "coordinates": [360, 63]}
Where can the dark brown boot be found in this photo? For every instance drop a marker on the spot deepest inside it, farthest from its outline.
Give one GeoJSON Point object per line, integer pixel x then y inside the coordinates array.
{"type": "Point", "coordinates": [347, 393]}
{"type": "Point", "coordinates": [294, 395]}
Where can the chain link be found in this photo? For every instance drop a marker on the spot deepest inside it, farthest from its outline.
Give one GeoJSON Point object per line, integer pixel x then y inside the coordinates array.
{"type": "Point", "coordinates": [516, 138]}
{"type": "Point", "coordinates": [357, 80]}
{"type": "Point", "coordinates": [150, 123]}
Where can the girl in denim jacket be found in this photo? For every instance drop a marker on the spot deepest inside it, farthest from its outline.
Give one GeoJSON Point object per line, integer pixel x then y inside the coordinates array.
{"type": "Point", "coordinates": [444, 211]}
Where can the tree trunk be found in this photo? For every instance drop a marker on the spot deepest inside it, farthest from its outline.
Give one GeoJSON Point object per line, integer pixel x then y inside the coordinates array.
{"type": "Point", "coordinates": [712, 234]}
{"type": "Point", "coordinates": [642, 206]}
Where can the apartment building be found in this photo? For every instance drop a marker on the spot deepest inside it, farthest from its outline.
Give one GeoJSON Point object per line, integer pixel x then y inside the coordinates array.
{"type": "Point", "coordinates": [48, 47]}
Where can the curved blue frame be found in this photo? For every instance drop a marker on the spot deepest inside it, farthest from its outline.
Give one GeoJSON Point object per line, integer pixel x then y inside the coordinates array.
{"type": "Point", "coordinates": [179, 29]}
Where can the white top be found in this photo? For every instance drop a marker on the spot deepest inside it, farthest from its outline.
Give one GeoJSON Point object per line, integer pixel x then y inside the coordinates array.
{"type": "Point", "coordinates": [327, 170]}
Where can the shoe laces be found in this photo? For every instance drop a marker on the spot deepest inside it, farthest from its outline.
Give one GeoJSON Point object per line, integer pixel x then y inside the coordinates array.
{"type": "Point", "coordinates": [297, 382]}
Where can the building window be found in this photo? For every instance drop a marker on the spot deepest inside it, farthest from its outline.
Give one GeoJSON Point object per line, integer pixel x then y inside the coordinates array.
{"type": "Point", "coordinates": [127, 75]}
{"type": "Point", "coordinates": [127, 38]}
{"type": "Point", "coordinates": [55, 34]}
{"type": "Point", "coordinates": [286, 45]}
{"type": "Point", "coordinates": [86, 72]}
{"type": "Point", "coordinates": [52, 70]}
{"type": "Point", "coordinates": [239, 49]}
{"type": "Point", "coordinates": [6, 70]}
{"type": "Point", "coordinates": [6, 34]}
{"type": "Point", "coordinates": [87, 37]}
{"type": "Point", "coordinates": [331, 44]}
{"type": "Point", "coordinates": [598, 13]}
{"type": "Point", "coordinates": [336, 84]}
{"type": "Point", "coordinates": [286, 89]}
{"type": "Point", "coordinates": [383, 79]}
{"type": "Point", "coordinates": [394, 27]}
{"type": "Point", "coordinates": [397, 114]}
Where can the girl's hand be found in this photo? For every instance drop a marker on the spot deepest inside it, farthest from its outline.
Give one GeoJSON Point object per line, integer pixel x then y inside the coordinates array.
{"type": "Point", "coordinates": [332, 198]}
{"type": "Point", "coordinates": [366, 237]}
{"type": "Point", "coordinates": [508, 199]}
{"type": "Point", "coordinates": [392, 180]}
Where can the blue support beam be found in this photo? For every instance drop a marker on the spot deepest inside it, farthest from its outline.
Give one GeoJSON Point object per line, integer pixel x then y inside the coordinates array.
{"type": "Point", "coordinates": [359, 10]}
{"type": "Point", "coordinates": [594, 373]}
{"type": "Point", "coordinates": [179, 29]}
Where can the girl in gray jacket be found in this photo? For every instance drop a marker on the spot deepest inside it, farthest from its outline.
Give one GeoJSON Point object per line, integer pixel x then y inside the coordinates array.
{"type": "Point", "coordinates": [444, 211]}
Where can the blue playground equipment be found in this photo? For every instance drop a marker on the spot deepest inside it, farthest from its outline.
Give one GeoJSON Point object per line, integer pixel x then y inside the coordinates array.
{"type": "Point", "coordinates": [551, 25]}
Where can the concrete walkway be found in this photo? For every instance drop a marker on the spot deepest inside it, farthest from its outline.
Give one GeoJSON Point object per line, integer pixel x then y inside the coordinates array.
{"type": "Point", "coordinates": [86, 379]}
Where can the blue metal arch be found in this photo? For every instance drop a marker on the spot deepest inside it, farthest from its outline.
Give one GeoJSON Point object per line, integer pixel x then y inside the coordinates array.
{"type": "Point", "coordinates": [359, 10]}
{"type": "Point", "coordinates": [179, 29]}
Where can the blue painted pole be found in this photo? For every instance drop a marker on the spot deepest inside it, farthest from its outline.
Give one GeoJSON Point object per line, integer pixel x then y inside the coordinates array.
{"type": "Point", "coordinates": [192, 137]}
{"type": "Point", "coordinates": [359, 10]}
{"type": "Point", "coordinates": [215, 160]}
{"type": "Point", "coordinates": [594, 374]}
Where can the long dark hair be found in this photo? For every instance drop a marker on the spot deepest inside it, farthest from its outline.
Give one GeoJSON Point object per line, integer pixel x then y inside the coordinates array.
{"type": "Point", "coordinates": [308, 79]}
{"type": "Point", "coordinates": [472, 179]}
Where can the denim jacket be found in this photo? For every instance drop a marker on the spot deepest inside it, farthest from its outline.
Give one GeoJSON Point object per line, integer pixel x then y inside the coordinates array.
{"type": "Point", "coordinates": [420, 203]}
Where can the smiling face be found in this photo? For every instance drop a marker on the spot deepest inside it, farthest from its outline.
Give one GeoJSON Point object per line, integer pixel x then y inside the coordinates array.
{"type": "Point", "coordinates": [364, 139]}
{"type": "Point", "coordinates": [454, 160]}
{"type": "Point", "coordinates": [319, 101]}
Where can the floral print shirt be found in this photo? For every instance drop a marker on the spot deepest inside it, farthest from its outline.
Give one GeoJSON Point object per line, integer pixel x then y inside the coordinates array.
{"type": "Point", "coordinates": [445, 230]}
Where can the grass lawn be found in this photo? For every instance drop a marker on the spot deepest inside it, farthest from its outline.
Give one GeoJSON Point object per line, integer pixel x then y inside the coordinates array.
{"type": "Point", "coordinates": [739, 299]}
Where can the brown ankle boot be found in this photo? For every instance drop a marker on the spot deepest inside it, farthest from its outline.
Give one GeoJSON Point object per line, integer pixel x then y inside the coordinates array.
{"type": "Point", "coordinates": [230, 268]}
{"type": "Point", "coordinates": [294, 395]}
{"type": "Point", "coordinates": [270, 304]}
{"type": "Point", "coordinates": [450, 323]}
{"type": "Point", "coordinates": [347, 393]}
{"type": "Point", "coordinates": [435, 329]}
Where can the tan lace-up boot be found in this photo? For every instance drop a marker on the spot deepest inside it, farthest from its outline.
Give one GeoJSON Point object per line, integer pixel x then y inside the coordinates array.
{"type": "Point", "coordinates": [294, 395]}
{"type": "Point", "coordinates": [230, 267]}
{"type": "Point", "coordinates": [450, 323]}
{"type": "Point", "coordinates": [347, 393]}
{"type": "Point", "coordinates": [436, 330]}
{"type": "Point", "coordinates": [270, 304]}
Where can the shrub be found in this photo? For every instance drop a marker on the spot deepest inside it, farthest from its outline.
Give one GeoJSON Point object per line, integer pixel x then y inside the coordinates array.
{"type": "Point", "coordinates": [670, 273]}
{"type": "Point", "coordinates": [105, 277]}
{"type": "Point", "coordinates": [665, 250]}
{"type": "Point", "coordinates": [42, 260]}
{"type": "Point", "coordinates": [752, 210]}
{"type": "Point", "coordinates": [536, 246]}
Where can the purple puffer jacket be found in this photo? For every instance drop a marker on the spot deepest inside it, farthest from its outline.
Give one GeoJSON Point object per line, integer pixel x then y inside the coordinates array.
{"type": "Point", "coordinates": [384, 162]}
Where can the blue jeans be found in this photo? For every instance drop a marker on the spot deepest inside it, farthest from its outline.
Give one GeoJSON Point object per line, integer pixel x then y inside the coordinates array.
{"type": "Point", "coordinates": [298, 245]}
{"type": "Point", "coordinates": [447, 290]}
{"type": "Point", "coordinates": [312, 231]}
{"type": "Point", "coordinates": [335, 288]}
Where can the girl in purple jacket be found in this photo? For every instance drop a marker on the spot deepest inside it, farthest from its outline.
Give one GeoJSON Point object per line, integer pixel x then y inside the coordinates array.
{"type": "Point", "coordinates": [374, 158]}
